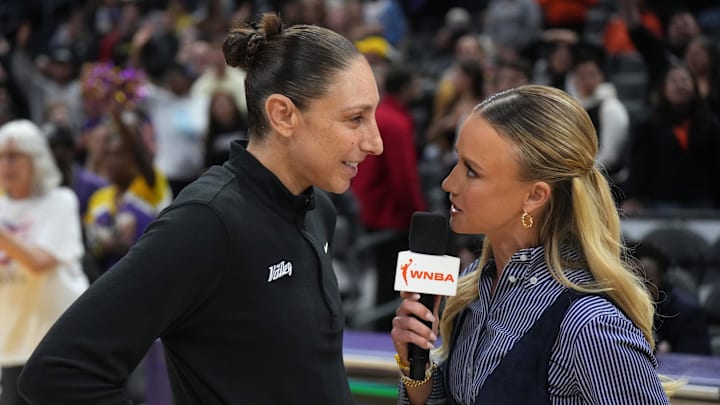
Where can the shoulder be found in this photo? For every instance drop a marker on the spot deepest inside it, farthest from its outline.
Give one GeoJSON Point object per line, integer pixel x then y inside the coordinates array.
{"type": "Point", "coordinates": [62, 195]}
{"type": "Point", "coordinates": [591, 308]}
{"type": "Point", "coordinates": [220, 191]}
{"type": "Point", "coordinates": [101, 195]}
{"type": "Point", "coordinates": [594, 318]}
{"type": "Point", "coordinates": [85, 176]}
{"type": "Point", "coordinates": [213, 184]}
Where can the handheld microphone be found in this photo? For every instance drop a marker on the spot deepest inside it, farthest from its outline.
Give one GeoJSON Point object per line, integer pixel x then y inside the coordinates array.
{"type": "Point", "coordinates": [425, 269]}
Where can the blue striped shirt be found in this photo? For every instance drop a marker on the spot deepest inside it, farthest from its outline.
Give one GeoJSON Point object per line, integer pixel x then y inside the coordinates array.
{"type": "Point", "coordinates": [599, 357]}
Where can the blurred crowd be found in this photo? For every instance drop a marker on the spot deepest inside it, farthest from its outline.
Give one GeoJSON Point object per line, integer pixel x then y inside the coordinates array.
{"type": "Point", "coordinates": [136, 100]}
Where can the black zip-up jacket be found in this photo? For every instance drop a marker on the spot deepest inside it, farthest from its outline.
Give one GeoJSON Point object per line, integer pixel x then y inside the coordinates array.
{"type": "Point", "coordinates": [236, 278]}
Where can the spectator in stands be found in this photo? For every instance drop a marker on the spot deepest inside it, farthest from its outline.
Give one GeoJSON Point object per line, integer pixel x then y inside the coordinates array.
{"type": "Point", "coordinates": [512, 25]}
{"type": "Point", "coordinates": [379, 53]}
{"type": "Point", "coordinates": [608, 114]}
{"type": "Point", "coordinates": [57, 80]}
{"type": "Point", "coordinates": [440, 55]}
{"type": "Point", "coordinates": [114, 47]}
{"type": "Point", "coordinates": [659, 54]}
{"type": "Point", "coordinates": [566, 14]}
{"type": "Point", "coordinates": [555, 60]}
{"type": "Point", "coordinates": [702, 57]}
{"type": "Point", "coordinates": [108, 88]}
{"type": "Point", "coordinates": [74, 33]}
{"type": "Point", "coordinates": [386, 18]}
{"type": "Point", "coordinates": [92, 153]}
{"type": "Point", "coordinates": [467, 47]}
{"type": "Point", "coordinates": [226, 123]}
{"type": "Point", "coordinates": [40, 249]}
{"type": "Point", "coordinates": [158, 43]}
{"type": "Point", "coordinates": [680, 325]}
{"type": "Point", "coordinates": [180, 121]}
{"type": "Point", "coordinates": [674, 152]}
{"type": "Point", "coordinates": [83, 182]}
{"type": "Point", "coordinates": [616, 38]}
{"type": "Point", "coordinates": [509, 74]}
{"type": "Point", "coordinates": [13, 104]}
{"type": "Point", "coordinates": [118, 213]}
{"type": "Point", "coordinates": [387, 186]}
{"type": "Point", "coordinates": [218, 76]}
{"type": "Point", "coordinates": [469, 82]}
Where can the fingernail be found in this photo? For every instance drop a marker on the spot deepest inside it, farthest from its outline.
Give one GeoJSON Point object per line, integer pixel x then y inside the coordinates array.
{"type": "Point", "coordinates": [430, 346]}
{"type": "Point", "coordinates": [430, 317]}
{"type": "Point", "coordinates": [433, 338]}
{"type": "Point", "coordinates": [416, 296]}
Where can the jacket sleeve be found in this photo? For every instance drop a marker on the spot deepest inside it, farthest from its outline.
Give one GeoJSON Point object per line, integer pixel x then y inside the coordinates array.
{"type": "Point", "coordinates": [88, 354]}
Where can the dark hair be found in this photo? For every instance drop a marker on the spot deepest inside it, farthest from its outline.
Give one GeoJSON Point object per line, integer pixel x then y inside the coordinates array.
{"type": "Point", "coordinates": [59, 136]}
{"type": "Point", "coordinates": [297, 62]}
{"type": "Point", "coordinates": [586, 53]}
{"type": "Point", "coordinates": [472, 69]}
{"type": "Point", "coordinates": [697, 110]}
{"type": "Point", "coordinates": [647, 250]}
{"type": "Point", "coordinates": [126, 126]}
{"type": "Point", "coordinates": [397, 78]}
{"type": "Point", "coordinates": [519, 64]}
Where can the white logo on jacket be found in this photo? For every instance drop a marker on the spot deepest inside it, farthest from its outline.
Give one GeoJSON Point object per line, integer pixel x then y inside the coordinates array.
{"type": "Point", "coordinates": [279, 270]}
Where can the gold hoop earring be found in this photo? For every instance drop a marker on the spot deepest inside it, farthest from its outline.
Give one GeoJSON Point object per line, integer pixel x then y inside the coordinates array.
{"type": "Point", "coordinates": [526, 220]}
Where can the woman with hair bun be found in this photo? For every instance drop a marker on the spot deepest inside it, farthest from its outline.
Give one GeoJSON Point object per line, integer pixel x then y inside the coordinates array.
{"type": "Point", "coordinates": [235, 276]}
{"type": "Point", "coordinates": [551, 312]}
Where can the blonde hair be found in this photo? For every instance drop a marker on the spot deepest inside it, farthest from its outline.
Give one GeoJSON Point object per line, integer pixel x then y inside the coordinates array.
{"type": "Point", "coordinates": [29, 139]}
{"type": "Point", "coordinates": [556, 143]}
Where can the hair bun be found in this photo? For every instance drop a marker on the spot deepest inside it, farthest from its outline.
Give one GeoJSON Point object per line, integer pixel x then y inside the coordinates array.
{"type": "Point", "coordinates": [254, 46]}
{"type": "Point", "coordinates": [243, 45]}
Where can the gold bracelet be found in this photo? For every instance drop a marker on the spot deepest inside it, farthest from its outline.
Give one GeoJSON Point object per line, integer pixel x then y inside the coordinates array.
{"type": "Point", "coordinates": [403, 367]}
{"type": "Point", "coordinates": [410, 383]}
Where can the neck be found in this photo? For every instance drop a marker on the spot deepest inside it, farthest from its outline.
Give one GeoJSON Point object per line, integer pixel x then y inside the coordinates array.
{"type": "Point", "coordinates": [273, 154]}
{"type": "Point", "coordinates": [504, 249]}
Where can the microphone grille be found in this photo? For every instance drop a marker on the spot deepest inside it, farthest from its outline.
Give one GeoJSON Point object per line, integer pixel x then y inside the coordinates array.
{"type": "Point", "coordinates": [428, 233]}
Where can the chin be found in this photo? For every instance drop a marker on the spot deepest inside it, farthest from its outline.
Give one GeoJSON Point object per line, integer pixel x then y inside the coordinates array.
{"type": "Point", "coordinates": [336, 188]}
{"type": "Point", "coordinates": [457, 226]}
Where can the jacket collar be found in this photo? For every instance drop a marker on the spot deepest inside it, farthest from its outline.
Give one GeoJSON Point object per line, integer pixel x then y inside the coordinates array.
{"type": "Point", "coordinates": [266, 186]}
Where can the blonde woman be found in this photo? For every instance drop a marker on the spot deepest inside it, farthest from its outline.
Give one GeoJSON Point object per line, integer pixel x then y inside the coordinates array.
{"type": "Point", "coordinates": [550, 313]}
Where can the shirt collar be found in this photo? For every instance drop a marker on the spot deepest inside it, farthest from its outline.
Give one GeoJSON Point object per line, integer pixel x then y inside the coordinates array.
{"type": "Point", "coordinates": [528, 266]}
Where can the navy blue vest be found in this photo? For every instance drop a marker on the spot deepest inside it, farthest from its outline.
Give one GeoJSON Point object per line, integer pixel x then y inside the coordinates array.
{"type": "Point", "coordinates": [522, 375]}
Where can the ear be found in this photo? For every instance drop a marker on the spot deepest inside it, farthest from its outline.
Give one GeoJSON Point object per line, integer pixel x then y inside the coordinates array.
{"type": "Point", "coordinates": [282, 114]}
{"type": "Point", "coordinates": [538, 196]}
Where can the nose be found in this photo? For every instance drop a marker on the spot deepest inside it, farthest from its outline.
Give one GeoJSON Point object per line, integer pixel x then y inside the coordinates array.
{"type": "Point", "coordinates": [449, 184]}
{"type": "Point", "coordinates": [372, 143]}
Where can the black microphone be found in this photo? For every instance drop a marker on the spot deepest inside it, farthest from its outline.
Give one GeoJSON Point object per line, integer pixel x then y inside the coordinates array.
{"type": "Point", "coordinates": [426, 269]}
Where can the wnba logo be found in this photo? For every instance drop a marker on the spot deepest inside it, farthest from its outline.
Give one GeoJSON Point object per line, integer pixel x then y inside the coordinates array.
{"type": "Point", "coordinates": [423, 275]}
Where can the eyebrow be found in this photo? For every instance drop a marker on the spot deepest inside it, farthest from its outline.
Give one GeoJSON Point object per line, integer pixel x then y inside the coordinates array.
{"type": "Point", "coordinates": [469, 162]}
{"type": "Point", "coordinates": [362, 107]}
